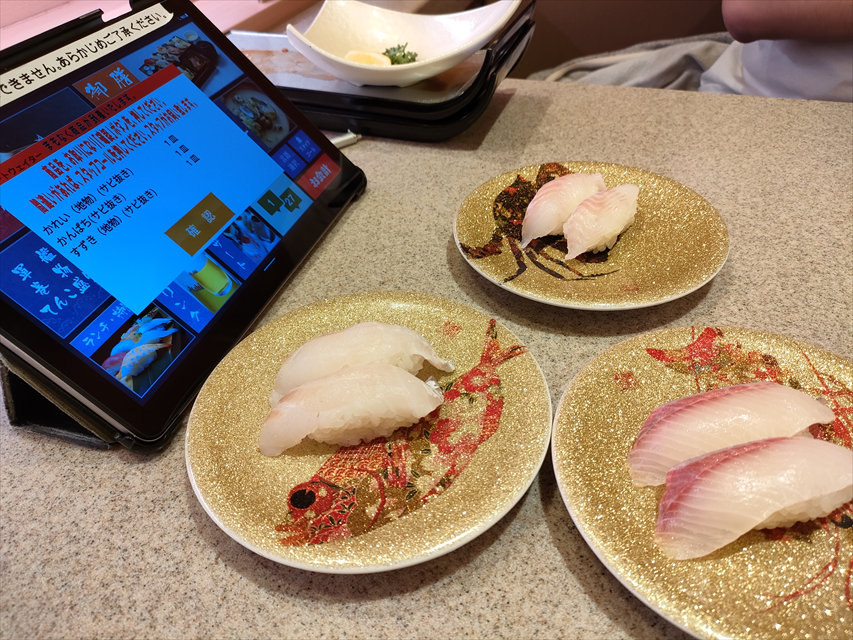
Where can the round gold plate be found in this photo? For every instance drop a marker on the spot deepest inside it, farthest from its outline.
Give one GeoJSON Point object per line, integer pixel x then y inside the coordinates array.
{"type": "Point", "coordinates": [779, 584]}
{"type": "Point", "coordinates": [677, 243]}
{"type": "Point", "coordinates": [246, 493]}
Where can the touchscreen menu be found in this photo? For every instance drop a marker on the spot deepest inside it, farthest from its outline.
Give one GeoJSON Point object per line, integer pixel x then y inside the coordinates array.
{"type": "Point", "coordinates": [141, 189]}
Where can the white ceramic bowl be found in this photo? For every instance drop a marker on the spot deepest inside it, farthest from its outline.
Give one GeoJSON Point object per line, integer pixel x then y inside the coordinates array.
{"type": "Point", "coordinates": [441, 41]}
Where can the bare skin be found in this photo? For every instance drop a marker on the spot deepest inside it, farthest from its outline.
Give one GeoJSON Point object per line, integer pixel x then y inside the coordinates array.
{"type": "Point", "coordinates": [813, 20]}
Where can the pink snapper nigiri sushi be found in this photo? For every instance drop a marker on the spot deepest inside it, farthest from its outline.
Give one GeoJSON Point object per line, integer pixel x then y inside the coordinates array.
{"type": "Point", "coordinates": [361, 343]}
{"type": "Point", "coordinates": [597, 221]}
{"type": "Point", "coordinates": [350, 405]}
{"type": "Point", "coordinates": [555, 201]}
{"type": "Point", "coordinates": [716, 419]}
{"type": "Point", "coordinates": [712, 500]}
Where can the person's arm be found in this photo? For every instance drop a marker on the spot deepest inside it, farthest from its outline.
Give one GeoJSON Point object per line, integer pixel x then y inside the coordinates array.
{"type": "Point", "coordinates": [818, 20]}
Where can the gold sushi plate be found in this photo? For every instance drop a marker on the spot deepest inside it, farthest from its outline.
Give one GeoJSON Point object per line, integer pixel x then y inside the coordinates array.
{"type": "Point", "coordinates": [677, 243]}
{"type": "Point", "coordinates": [790, 583]}
{"type": "Point", "coordinates": [247, 494]}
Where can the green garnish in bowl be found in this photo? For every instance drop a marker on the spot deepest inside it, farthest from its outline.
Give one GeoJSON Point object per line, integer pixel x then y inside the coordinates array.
{"type": "Point", "coordinates": [399, 55]}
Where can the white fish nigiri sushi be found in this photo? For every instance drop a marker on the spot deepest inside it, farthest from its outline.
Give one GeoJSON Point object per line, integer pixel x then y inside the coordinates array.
{"type": "Point", "coordinates": [348, 406]}
{"type": "Point", "coordinates": [717, 419]}
{"type": "Point", "coordinates": [597, 221]}
{"type": "Point", "coordinates": [359, 344]}
{"type": "Point", "coordinates": [712, 500]}
{"type": "Point", "coordinates": [554, 203]}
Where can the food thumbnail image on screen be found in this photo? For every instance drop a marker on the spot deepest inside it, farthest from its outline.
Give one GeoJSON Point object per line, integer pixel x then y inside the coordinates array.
{"type": "Point", "coordinates": [244, 243]}
{"type": "Point", "coordinates": [144, 349]}
{"type": "Point", "coordinates": [208, 281]}
{"type": "Point", "coordinates": [255, 111]}
{"type": "Point", "coordinates": [198, 59]}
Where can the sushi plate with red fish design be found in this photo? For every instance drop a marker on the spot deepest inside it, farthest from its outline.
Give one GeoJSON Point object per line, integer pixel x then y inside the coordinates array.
{"type": "Point", "coordinates": [396, 501]}
{"type": "Point", "coordinates": [677, 243]}
{"type": "Point", "coordinates": [782, 583]}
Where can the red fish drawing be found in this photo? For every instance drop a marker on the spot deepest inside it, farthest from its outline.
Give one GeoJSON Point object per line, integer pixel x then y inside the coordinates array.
{"type": "Point", "coordinates": [363, 487]}
{"type": "Point", "coordinates": [714, 362]}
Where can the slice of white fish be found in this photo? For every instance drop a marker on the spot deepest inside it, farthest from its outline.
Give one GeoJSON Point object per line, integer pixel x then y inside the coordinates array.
{"type": "Point", "coordinates": [717, 419]}
{"type": "Point", "coordinates": [555, 201]}
{"type": "Point", "coordinates": [354, 404]}
{"type": "Point", "coordinates": [714, 499]}
{"type": "Point", "coordinates": [362, 343]}
{"type": "Point", "coordinates": [596, 223]}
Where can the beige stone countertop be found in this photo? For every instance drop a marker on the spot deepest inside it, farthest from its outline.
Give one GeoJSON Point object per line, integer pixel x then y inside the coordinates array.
{"type": "Point", "coordinates": [112, 544]}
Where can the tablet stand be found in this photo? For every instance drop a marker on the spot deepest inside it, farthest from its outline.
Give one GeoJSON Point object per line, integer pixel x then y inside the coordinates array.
{"type": "Point", "coordinates": [28, 409]}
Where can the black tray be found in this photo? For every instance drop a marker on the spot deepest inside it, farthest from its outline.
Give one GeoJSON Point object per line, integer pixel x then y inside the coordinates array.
{"type": "Point", "coordinates": [432, 110]}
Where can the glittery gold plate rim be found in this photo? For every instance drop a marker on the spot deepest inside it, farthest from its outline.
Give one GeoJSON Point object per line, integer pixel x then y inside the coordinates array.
{"type": "Point", "coordinates": [677, 244]}
{"type": "Point", "coordinates": [784, 584]}
{"type": "Point", "coordinates": [245, 493]}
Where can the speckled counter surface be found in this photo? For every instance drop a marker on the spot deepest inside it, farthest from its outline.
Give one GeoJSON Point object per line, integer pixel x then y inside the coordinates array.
{"type": "Point", "coordinates": [111, 544]}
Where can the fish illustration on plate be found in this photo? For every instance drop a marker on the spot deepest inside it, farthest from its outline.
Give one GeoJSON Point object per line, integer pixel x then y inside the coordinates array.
{"type": "Point", "coordinates": [360, 488]}
{"type": "Point", "coordinates": [546, 253]}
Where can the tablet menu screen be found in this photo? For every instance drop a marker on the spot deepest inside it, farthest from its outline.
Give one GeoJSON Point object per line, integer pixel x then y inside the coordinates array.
{"type": "Point", "coordinates": [140, 191]}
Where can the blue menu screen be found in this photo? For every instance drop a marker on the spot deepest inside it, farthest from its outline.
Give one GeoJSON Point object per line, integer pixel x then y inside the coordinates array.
{"type": "Point", "coordinates": [140, 194]}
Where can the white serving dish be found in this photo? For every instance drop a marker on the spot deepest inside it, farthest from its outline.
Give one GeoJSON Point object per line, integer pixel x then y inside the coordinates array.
{"type": "Point", "coordinates": [441, 41]}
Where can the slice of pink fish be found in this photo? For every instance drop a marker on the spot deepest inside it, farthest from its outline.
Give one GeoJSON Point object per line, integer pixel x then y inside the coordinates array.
{"type": "Point", "coordinates": [596, 223]}
{"type": "Point", "coordinates": [554, 203]}
{"type": "Point", "coordinates": [714, 499]}
{"type": "Point", "coordinates": [717, 419]}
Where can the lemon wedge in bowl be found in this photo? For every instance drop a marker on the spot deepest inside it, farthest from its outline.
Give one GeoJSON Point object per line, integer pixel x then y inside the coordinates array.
{"type": "Point", "coordinates": [368, 57]}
